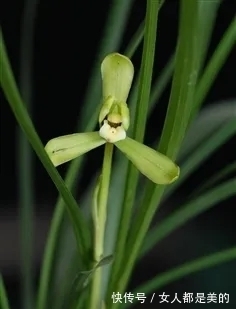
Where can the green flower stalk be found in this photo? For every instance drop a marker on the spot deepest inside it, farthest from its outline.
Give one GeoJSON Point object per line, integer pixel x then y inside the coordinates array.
{"type": "Point", "coordinates": [117, 75]}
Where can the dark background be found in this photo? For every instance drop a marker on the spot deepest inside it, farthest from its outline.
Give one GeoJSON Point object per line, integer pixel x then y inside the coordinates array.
{"type": "Point", "coordinates": [67, 35]}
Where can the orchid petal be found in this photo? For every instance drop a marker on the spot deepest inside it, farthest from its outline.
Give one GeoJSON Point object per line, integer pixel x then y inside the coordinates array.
{"type": "Point", "coordinates": [117, 75]}
{"type": "Point", "coordinates": [65, 148]}
{"type": "Point", "coordinates": [153, 164]}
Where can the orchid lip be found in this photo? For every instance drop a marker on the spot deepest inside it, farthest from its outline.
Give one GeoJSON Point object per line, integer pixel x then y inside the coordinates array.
{"type": "Point", "coordinates": [112, 133]}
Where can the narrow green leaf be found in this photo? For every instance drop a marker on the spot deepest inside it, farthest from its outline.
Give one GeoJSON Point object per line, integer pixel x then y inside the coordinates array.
{"type": "Point", "coordinates": [209, 120]}
{"type": "Point", "coordinates": [154, 165]}
{"type": "Point", "coordinates": [178, 114]}
{"type": "Point", "coordinates": [139, 128]}
{"type": "Point", "coordinates": [26, 194]}
{"type": "Point", "coordinates": [137, 37]}
{"type": "Point", "coordinates": [66, 263]}
{"type": "Point", "coordinates": [214, 65]}
{"type": "Point", "coordinates": [215, 178]}
{"type": "Point", "coordinates": [8, 84]}
{"type": "Point", "coordinates": [161, 82]}
{"type": "Point", "coordinates": [50, 253]}
{"type": "Point", "coordinates": [207, 17]}
{"type": "Point", "coordinates": [156, 196]}
{"type": "Point", "coordinates": [135, 41]}
{"type": "Point", "coordinates": [224, 133]}
{"type": "Point", "coordinates": [190, 210]}
{"type": "Point", "coordinates": [184, 82]}
{"type": "Point", "coordinates": [158, 88]}
{"type": "Point", "coordinates": [186, 269]}
{"type": "Point", "coordinates": [203, 21]}
{"type": "Point", "coordinates": [68, 147]}
{"type": "Point", "coordinates": [4, 304]}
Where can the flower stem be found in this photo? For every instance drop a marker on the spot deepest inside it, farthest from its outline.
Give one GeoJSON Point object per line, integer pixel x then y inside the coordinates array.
{"type": "Point", "coordinates": [99, 217]}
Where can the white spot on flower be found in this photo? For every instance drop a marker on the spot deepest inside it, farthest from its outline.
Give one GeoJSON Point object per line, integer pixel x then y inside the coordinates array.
{"type": "Point", "coordinates": [111, 134]}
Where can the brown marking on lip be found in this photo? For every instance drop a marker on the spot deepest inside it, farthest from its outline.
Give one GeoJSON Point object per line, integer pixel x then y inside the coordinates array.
{"type": "Point", "coordinates": [114, 125]}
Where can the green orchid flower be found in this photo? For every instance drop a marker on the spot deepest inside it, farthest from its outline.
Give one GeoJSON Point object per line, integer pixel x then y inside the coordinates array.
{"type": "Point", "coordinates": [117, 74]}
